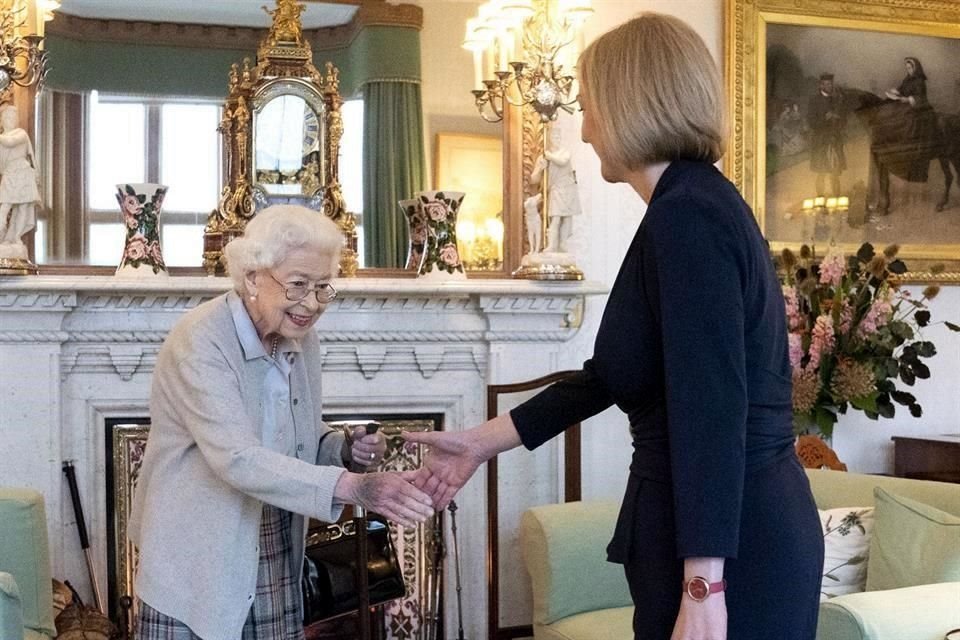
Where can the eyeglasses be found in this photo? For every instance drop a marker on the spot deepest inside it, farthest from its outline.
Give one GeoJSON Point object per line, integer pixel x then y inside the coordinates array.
{"type": "Point", "coordinates": [324, 291]}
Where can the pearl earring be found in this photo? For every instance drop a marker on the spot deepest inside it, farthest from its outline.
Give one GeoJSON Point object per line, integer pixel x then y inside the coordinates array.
{"type": "Point", "coordinates": [253, 298]}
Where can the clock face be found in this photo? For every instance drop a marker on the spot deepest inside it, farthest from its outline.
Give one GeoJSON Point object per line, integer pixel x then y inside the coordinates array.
{"type": "Point", "coordinates": [311, 131]}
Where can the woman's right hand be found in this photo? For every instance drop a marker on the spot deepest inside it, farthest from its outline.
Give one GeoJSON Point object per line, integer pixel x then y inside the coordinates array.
{"type": "Point", "coordinates": [391, 494]}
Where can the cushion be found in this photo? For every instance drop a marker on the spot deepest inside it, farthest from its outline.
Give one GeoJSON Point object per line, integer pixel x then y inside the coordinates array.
{"type": "Point", "coordinates": [926, 612]}
{"type": "Point", "coordinates": [564, 552]}
{"type": "Point", "coordinates": [11, 618]}
{"type": "Point", "coordinates": [846, 542]}
{"type": "Point", "coordinates": [605, 624]}
{"type": "Point", "coordinates": [25, 555]}
{"type": "Point", "coordinates": [913, 544]}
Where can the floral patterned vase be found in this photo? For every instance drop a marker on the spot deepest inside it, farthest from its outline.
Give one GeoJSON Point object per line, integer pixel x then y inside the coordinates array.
{"type": "Point", "coordinates": [417, 226]}
{"type": "Point", "coordinates": [441, 258]}
{"type": "Point", "coordinates": [140, 206]}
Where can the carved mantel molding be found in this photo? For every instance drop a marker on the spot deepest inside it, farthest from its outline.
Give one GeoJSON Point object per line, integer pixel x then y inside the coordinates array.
{"type": "Point", "coordinates": [103, 324]}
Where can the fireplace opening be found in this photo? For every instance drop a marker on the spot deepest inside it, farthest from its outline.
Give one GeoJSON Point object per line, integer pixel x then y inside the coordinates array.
{"type": "Point", "coordinates": [418, 616]}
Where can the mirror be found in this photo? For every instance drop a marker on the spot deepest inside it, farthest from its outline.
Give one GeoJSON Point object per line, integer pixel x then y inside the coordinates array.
{"type": "Point", "coordinates": [210, 39]}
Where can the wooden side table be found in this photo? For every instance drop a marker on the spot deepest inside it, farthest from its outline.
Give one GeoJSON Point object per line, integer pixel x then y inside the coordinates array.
{"type": "Point", "coordinates": [928, 457]}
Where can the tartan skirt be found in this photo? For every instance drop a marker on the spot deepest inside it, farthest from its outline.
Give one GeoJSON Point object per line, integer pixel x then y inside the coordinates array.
{"type": "Point", "coordinates": [276, 612]}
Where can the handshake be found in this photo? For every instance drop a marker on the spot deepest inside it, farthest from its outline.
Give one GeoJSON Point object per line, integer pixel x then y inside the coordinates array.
{"type": "Point", "coordinates": [410, 497]}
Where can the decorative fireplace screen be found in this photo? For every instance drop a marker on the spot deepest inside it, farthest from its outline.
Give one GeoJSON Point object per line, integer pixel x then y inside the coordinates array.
{"type": "Point", "coordinates": [409, 618]}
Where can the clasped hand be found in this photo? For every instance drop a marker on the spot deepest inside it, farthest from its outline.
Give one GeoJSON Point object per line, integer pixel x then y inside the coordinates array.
{"type": "Point", "coordinates": [451, 460]}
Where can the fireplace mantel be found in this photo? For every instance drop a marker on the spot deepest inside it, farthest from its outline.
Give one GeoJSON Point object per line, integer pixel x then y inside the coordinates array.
{"type": "Point", "coordinates": [76, 351]}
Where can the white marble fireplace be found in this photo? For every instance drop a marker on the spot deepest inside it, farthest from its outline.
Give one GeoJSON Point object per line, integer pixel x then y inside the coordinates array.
{"type": "Point", "coordinates": [78, 351]}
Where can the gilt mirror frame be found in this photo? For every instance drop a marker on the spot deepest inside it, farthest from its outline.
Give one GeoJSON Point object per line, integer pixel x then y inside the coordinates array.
{"type": "Point", "coordinates": [747, 25]}
{"type": "Point", "coordinates": [520, 131]}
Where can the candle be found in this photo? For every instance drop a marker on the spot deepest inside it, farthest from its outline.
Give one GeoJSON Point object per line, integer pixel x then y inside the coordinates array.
{"type": "Point", "coordinates": [819, 201]}
{"type": "Point", "coordinates": [478, 68]}
{"type": "Point", "coordinates": [502, 50]}
{"type": "Point", "coordinates": [495, 231]}
{"type": "Point", "coordinates": [808, 204]}
{"type": "Point", "coordinates": [843, 202]}
{"type": "Point", "coordinates": [831, 203]}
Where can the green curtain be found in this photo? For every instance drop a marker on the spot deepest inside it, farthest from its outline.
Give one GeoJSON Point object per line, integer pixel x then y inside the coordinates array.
{"type": "Point", "coordinates": [393, 167]}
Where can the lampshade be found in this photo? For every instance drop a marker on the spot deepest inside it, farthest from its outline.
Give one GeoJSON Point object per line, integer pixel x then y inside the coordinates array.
{"type": "Point", "coordinates": [517, 10]}
{"type": "Point", "coordinates": [492, 17]}
{"type": "Point", "coordinates": [478, 35]}
{"type": "Point", "coordinates": [575, 11]}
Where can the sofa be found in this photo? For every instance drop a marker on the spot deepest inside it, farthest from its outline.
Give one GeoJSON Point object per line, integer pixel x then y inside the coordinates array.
{"type": "Point", "coordinates": [26, 593]}
{"type": "Point", "coordinates": [578, 595]}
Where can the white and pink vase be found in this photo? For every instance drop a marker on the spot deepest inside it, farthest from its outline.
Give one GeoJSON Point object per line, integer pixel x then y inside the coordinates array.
{"type": "Point", "coordinates": [140, 207]}
{"type": "Point", "coordinates": [416, 231]}
{"type": "Point", "coordinates": [441, 257]}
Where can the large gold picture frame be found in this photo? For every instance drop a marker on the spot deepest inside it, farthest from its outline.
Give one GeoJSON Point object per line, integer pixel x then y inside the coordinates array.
{"type": "Point", "coordinates": [777, 52]}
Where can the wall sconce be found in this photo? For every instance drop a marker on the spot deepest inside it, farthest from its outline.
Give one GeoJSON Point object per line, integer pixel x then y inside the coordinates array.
{"type": "Point", "coordinates": [22, 61]}
{"type": "Point", "coordinates": [505, 30]}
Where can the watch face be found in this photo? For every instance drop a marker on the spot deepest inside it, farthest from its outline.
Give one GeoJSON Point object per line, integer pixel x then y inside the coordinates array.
{"type": "Point", "coordinates": [698, 589]}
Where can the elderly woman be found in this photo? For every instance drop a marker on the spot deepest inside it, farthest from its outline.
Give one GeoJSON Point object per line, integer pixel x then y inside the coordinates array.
{"type": "Point", "coordinates": [718, 532]}
{"type": "Point", "coordinates": [238, 455]}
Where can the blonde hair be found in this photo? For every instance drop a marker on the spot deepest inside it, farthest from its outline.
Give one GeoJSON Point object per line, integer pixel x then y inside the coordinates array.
{"type": "Point", "coordinates": [273, 233]}
{"type": "Point", "coordinates": [655, 91]}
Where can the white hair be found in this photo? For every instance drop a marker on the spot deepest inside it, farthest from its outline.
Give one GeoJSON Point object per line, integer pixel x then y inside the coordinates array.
{"type": "Point", "coordinates": [276, 231]}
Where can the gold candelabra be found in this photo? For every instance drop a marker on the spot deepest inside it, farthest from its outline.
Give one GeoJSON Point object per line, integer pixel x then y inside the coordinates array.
{"type": "Point", "coordinates": [22, 61]}
{"type": "Point", "coordinates": [541, 31]}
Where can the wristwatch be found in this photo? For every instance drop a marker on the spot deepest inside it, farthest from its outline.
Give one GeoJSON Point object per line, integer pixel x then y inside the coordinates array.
{"type": "Point", "coordinates": [699, 589]}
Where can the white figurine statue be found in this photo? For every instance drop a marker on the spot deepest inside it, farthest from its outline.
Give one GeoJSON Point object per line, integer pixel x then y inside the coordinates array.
{"type": "Point", "coordinates": [19, 195]}
{"type": "Point", "coordinates": [563, 200]}
{"type": "Point", "coordinates": [531, 217]}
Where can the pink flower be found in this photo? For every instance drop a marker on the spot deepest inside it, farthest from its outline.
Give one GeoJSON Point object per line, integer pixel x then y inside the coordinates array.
{"type": "Point", "coordinates": [846, 316]}
{"type": "Point", "coordinates": [130, 220]}
{"type": "Point", "coordinates": [878, 315]}
{"type": "Point", "coordinates": [419, 235]}
{"type": "Point", "coordinates": [136, 248]}
{"type": "Point", "coordinates": [832, 268]}
{"type": "Point", "coordinates": [821, 340]}
{"type": "Point", "coordinates": [130, 205]}
{"type": "Point", "coordinates": [449, 255]}
{"type": "Point", "coordinates": [795, 342]}
{"type": "Point", "coordinates": [437, 211]}
{"type": "Point", "coordinates": [794, 319]}
{"type": "Point", "coordinates": [155, 253]}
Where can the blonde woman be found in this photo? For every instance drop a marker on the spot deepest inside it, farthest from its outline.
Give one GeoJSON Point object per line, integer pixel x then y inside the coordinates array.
{"type": "Point", "coordinates": [718, 532]}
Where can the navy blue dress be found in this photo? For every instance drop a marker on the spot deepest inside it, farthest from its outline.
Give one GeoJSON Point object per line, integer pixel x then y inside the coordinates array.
{"type": "Point", "coordinates": [693, 348]}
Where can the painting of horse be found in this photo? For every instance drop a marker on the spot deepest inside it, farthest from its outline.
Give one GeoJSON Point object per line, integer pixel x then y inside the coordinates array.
{"type": "Point", "coordinates": [904, 141]}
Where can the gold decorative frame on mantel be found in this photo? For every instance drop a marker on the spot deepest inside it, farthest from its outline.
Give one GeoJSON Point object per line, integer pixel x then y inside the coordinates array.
{"type": "Point", "coordinates": [746, 37]}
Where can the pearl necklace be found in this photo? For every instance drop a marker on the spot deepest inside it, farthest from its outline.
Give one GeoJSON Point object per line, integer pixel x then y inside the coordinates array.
{"type": "Point", "coordinates": [273, 350]}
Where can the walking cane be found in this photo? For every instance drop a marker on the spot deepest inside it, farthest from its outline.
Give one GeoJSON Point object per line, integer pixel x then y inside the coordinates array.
{"type": "Point", "coordinates": [452, 508]}
{"type": "Point", "coordinates": [82, 529]}
{"type": "Point", "coordinates": [360, 532]}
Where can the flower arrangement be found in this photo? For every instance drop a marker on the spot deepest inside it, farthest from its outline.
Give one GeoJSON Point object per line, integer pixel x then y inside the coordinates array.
{"type": "Point", "coordinates": [853, 334]}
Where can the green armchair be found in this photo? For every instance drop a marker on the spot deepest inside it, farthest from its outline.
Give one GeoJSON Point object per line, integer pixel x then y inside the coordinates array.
{"type": "Point", "coordinates": [26, 594]}
{"type": "Point", "coordinates": [578, 595]}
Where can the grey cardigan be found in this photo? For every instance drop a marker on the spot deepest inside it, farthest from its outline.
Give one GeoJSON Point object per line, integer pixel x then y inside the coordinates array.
{"type": "Point", "coordinates": [206, 473]}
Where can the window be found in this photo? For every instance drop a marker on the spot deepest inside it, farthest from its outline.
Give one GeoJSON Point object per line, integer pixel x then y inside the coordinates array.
{"type": "Point", "coordinates": [172, 142]}
{"type": "Point", "coordinates": [351, 165]}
